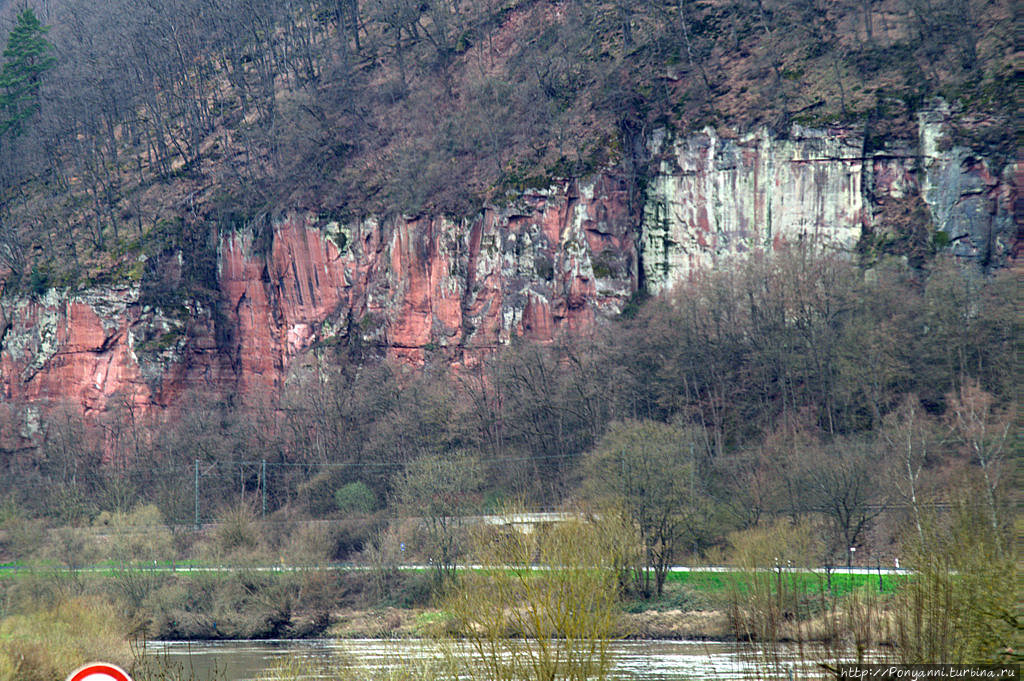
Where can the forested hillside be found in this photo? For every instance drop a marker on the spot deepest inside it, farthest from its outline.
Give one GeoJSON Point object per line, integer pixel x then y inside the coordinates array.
{"type": "Point", "coordinates": [147, 126]}
{"type": "Point", "coordinates": [308, 259]}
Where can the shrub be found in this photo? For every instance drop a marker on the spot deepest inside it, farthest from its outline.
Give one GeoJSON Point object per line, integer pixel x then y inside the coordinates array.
{"type": "Point", "coordinates": [355, 497]}
{"type": "Point", "coordinates": [567, 610]}
{"type": "Point", "coordinates": [354, 535]}
{"type": "Point", "coordinates": [140, 535]}
{"type": "Point", "coordinates": [770, 597]}
{"type": "Point", "coordinates": [20, 536]}
{"type": "Point", "coordinates": [236, 536]}
{"type": "Point", "coordinates": [963, 604]}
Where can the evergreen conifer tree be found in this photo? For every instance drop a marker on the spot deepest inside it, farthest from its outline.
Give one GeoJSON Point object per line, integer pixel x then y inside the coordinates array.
{"type": "Point", "coordinates": [26, 58]}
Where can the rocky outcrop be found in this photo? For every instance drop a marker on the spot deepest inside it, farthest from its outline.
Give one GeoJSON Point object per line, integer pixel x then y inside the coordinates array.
{"type": "Point", "coordinates": [712, 199]}
{"type": "Point", "coordinates": [970, 204]}
{"type": "Point", "coordinates": [416, 287]}
{"type": "Point", "coordinates": [100, 346]}
{"type": "Point", "coordinates": [421, 288]}
{"type": "Point", "coordinates": [407, 288]}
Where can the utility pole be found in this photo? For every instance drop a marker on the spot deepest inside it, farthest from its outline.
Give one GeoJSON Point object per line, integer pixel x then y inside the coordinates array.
{"type": "Point", "coordinates": [197, 493]}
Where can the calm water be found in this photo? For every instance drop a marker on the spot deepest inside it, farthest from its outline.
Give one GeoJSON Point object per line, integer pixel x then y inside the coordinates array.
{"type": "Point", "coordinates": [634, 660]}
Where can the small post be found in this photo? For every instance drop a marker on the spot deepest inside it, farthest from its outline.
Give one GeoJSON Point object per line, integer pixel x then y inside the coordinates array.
{"type": "Point", "coordinates": [197, 493]}
{"type": "Point", "coordinates": [263, 484]}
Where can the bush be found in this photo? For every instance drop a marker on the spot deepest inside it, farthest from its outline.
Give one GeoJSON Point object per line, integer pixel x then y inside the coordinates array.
{"type": "Point", "coordinates": [769, 596]}
{"type": "Point", "coordinates": [236, 536]}
{"type": "Point", "coordinates": [353, 535]}
{"type": "Point", "coordinates": [415, 590]}
{"type": "Point", "coordinates": [568, 611]}
{"type": "Point", "coordinates": [20, 537]}
{"type": "Point", "coordinates": [244, 604]}
{"type": "Point", "coordinates": [356, 498]}
{"type": "Point", "coordinates": [963, 604]}
{"type": "Point", "coordinates": [310, 544]}
{"type": "Point", "coordinates": [138, 536]}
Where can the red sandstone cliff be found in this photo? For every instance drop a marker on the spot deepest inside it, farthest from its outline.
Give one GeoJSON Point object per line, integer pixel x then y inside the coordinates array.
{"type": "Point", "coordinates": [410, 287]}
{"type": "Point", "coordinates": [416, 286]}
{"type": "Point", "coordinates": [421, 288]}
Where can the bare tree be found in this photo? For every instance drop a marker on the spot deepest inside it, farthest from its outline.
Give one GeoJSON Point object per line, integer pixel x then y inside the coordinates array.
{"type": "Point", "coordinates": [911, 439]}
{"type": "Point", "coordinates": [842, 481]}
{"type": "Point", "coordinates": [982, 431]}
{"type": "Point", "coordinates": [440, 491]}
{"type": "Point", "coordinates": [647, 470]}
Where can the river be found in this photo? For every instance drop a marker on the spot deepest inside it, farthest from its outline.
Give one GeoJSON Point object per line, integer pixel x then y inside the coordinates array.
{"type": "Point", "coordinates": [634, 660]}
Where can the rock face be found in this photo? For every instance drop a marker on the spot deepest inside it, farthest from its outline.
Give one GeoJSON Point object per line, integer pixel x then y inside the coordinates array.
{"type": "Point", "coordinates": [72, 347]}
{"type": "Point", "coordinates": [100, 346]}
{"type": "Point", "coordinates": [713, 199]}
{"type": "Point", "coordinates": [408, 288]}
{"type": "Point", "coordinates": [974, 208]}
{"type": "Point", "coordinates": [416, 287]}
{"type": "Point", "coordinates": [422, 288]}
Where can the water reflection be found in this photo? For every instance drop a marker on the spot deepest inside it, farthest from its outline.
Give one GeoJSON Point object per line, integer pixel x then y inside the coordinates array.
{"type": "Point", "coordinates": [634, 660]}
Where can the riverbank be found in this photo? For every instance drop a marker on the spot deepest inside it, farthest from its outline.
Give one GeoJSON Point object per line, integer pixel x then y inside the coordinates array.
{"type": "Point", "coordinates": [386, 623]}
{"type": "Point", "coordinates": [246, 603]}
{"type": "Point", "coordinates": [648, 625]}
{"type": "Point", "coordinates": [408, 623]}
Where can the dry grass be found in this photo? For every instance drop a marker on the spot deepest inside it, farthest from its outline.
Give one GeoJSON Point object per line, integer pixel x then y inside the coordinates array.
{"type": "Point", "coordinates": [677, 624]}
{"type": "Point", "coordinates": [51, 642]}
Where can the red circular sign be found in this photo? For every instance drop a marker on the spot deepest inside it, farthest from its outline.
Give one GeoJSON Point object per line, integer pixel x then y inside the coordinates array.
{"type": "Point", "coordinates": [100, 671]}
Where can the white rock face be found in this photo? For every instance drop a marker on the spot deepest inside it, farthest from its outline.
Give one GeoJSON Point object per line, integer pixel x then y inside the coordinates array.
{"type": "Point", "coordinates": [715, 198]}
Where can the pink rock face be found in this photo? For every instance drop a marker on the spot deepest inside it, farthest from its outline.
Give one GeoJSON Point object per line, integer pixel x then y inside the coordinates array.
{"type": "Point", "coordinates": [101, 348]}
{"type": "Point", "coordinates": [424, 288]}
{"type": "Point", "coordinates": [430, 287]}
{"type": "Point", "coordinates": [71, 354]}
{"type": "Point", "coordinates": [411, 289]}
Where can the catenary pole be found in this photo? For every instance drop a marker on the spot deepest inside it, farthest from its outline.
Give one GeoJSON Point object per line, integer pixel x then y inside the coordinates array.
{"type": "Point", "coordinates": [197, 493]}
